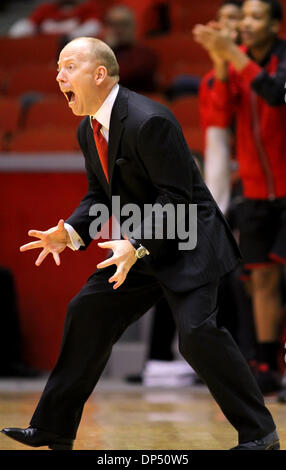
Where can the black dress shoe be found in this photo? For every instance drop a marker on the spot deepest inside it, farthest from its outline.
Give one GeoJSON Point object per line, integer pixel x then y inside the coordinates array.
{"type": "Point", "coordinates": [269, 442]}
{"type": "Point", "coordinates": [35, 437]}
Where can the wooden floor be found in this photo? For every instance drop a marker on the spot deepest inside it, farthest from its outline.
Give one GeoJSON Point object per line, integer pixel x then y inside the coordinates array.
{"type": "Point", "coordinates": [119, 416]}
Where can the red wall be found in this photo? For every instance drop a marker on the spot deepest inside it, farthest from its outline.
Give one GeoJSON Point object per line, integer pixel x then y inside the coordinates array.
{"type": "Point", "coordinates": [38, 201]}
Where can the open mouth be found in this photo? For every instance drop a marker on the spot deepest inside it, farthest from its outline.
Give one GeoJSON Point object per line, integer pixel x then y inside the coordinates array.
{"type": "Point", "coordinates": [70, 96]}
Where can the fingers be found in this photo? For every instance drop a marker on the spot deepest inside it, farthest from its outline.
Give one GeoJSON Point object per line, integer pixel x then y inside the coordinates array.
{"type": "Point", "coordinates": [107, 262]}
{"type": "Point", "coordinates": [214, 25]}
{"type": "Point", "coordinates": [119, 277]}
{"type": "Point", "coordinates": [31, 246]}
{"type": "Point", "coordinates": [44, 253]}
{"type": "Point", "coordinates": [56, 257]}
{"type": "Point", "coordinates": [36, 233]}
{"type": "Point", "coordinates": [106, 244]}
{"type": "Point", "coordinates": [61, 225]}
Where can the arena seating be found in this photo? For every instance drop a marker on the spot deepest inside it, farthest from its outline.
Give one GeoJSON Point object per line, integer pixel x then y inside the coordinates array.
{"type": "Point", "coordinates": [194, 138]}
{"type": "Point", "coordinates": [10, 111]}
{"type": "Point", "coordinates": [51, 109]}
{"type": "Point", "coordinates": [186, 110]}
{"type": "Point", "coordinates": [31, 50]}
{"type": "Point", "coordinates": [32, 78]}
{"type": "Point", "coordinates": [45, 139]}
{"type": "Point", "coordinates": [28, 65]}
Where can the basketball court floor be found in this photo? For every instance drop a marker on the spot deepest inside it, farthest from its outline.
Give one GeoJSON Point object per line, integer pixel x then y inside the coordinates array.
{"type": "Point", "coordinates": [120, 416]}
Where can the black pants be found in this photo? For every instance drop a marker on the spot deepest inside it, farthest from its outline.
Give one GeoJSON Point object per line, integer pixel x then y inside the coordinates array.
{"type": "Point", "coordinates": [160, 345]}
{"type": "Point", "coordinates": [98, 316]}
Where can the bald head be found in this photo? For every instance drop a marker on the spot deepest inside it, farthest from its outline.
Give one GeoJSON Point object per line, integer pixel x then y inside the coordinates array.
{"type": "Point", "coordinates": [95, 51]}
{"type": "Point", "coordinates": [87, 71]}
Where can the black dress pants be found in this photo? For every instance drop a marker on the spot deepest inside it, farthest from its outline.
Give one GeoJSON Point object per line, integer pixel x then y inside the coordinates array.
{"type": "Point", "coordinates": [98, 315]}
{"type": "Point", "coordinates": [160, 345]}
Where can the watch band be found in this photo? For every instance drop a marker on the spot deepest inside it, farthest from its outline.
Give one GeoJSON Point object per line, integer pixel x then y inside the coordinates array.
{"type": "Point", "coordinates": [134, 242]}
{"type": "Point", "coordinates": [138, 248]}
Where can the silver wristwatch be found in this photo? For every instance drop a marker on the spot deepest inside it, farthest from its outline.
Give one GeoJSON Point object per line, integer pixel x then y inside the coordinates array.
{"type": "Point", "coordinates": [140, 250]}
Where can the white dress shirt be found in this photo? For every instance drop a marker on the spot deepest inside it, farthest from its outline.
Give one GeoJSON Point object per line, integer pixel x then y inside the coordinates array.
{"type": "Point", "coordinates": [103, 117]}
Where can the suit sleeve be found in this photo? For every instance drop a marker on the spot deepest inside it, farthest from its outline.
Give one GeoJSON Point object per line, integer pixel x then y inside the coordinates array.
{"type": "Point", "coordinates": [80, 219]}
{"type": "Point", "coordinates": [167, 160]}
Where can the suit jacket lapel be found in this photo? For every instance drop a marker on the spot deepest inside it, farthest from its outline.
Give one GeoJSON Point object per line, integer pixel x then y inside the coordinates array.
{"type": "Point", "coordinates": [119, 112]}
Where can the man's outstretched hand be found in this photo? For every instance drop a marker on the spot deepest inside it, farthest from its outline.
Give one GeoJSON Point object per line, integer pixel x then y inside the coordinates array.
{"type": "Point", "coordinates": [52, 241]}
{"type": "Point", "coordinates": [124, 258]}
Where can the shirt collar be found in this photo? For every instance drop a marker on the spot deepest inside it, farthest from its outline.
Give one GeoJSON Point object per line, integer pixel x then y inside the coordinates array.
{"type": "Point", "coordinates": [103, 114]}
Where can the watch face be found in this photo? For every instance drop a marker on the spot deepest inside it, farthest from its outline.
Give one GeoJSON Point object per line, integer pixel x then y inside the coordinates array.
{"type": "Point", "coordinates": [141, 252]}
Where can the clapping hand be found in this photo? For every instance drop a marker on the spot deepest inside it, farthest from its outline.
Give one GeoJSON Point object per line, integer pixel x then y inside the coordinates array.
{"type": "Point", "coordinates": [216, 40]}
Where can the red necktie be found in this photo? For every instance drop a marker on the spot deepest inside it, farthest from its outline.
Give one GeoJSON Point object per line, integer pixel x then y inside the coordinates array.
{"type": "Point", "coordinates": [101, 145]}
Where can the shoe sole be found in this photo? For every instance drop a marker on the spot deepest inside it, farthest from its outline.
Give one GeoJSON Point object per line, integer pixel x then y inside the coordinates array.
{"type": "Point", "coordinates": [61, 444]}
{"type": "Point", "coordinates": [273, 446]}
{"type": "Point", "coordinates": [58, 446]}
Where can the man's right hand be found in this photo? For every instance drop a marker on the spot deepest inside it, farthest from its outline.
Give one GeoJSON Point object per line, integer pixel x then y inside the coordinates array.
{"type": "Point", "coordinates": [52, 241]}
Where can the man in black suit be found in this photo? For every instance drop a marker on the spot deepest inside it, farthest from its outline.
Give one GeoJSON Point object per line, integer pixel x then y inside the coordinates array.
{"type": "Point", "coordinates": [148, 162]}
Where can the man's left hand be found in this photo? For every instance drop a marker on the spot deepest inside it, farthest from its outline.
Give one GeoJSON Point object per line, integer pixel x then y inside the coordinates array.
{"type": "Point", "coordinates": [124, 258]}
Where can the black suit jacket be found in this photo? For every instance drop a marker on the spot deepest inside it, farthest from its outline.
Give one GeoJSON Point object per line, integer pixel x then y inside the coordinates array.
{"type": "Point", "coordinates": [150, 162]}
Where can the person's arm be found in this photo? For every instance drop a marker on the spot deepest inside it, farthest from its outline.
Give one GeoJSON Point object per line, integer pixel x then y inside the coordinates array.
{"type": "Point", "coordinates": [216, 145]}
{"type": "Point", "coordinates": [221, 94]}
{"type": "Point", "coordinates": [269, 87]}
{"type": "Point", "coordinates": [75, 240]}
{"type": "Point", "coordinates": [166, 158]}
{"type": "Point", "coordinates": [74, 232]}
{"type": "Point", "coordinates": [217, 165]}
{"type": "Point", "coordinates": [215, 107]}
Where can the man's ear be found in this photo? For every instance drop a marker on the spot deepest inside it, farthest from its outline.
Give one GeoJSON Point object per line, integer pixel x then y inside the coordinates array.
{"type": "Point", "coordinates": [100, 74]}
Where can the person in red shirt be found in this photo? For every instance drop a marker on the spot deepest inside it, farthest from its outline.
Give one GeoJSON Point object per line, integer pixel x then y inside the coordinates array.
{"type": "Point", "coordinates": [138, 63]}
{"type": "Point", "coordinates": [249, 84]}
{"type": "Point", "coordinates": [217, 135]}
{"type": "Point", "coordinates": [71, 17]}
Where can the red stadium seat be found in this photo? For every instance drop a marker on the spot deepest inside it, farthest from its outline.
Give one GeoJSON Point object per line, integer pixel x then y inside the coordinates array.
{"type": "Point", "coordinates": [185, 14]}
{"type": "Point", "coordinates": [194, 138]}
{"type": "Point", "coordinates": [38, 49]}
{"type": "Point", "coordinates": [167, 74]}
{"type": "Point", "coordinates": [178, 54]}
{"type": "Point", "coordinates": [10, 111]}
{"type": "Point", "coordinates": [29, 78]}
{"type": "Point", "coordinates": [53, 111]}
{"type": "Point", "coordinates": [3, 78]}
{"type": "Point", "coordinates": [48, 139]}
{"type": "Point", "coordinates": [177, 47]}
{"type": "Point", "coordinates": [156, 97]}
{"type": "Point", "coordinates": [186, 111]}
